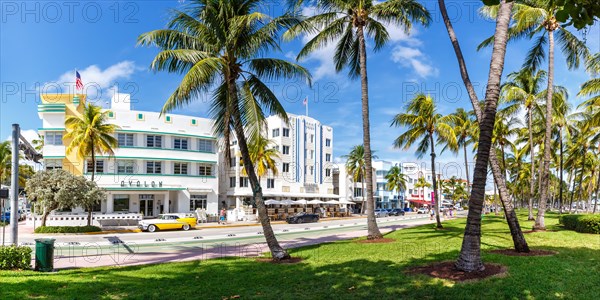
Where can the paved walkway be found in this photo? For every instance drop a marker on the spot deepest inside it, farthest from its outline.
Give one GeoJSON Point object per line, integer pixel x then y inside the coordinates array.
{"type": "Point", "coordinates": [127, 255]}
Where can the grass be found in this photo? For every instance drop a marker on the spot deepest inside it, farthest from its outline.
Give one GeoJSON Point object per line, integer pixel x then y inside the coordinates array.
{"type": "Point", "coordinates": [345, 270]}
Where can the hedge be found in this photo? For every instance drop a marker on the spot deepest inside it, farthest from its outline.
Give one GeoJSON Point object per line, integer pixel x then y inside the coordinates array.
{"type": "Point", "coordinates": [581, 223]}
{"type": "Point", "coordinates": [67, 229]}
{"type": "Point", "coordinates": [15, 257]}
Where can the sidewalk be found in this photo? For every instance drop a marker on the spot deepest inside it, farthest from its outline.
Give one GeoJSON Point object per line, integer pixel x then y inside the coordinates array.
{"type": "Point", "coordinates": [126, 255]}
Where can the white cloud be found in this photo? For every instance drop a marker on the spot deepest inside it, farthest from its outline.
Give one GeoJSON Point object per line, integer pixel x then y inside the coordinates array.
{"type": "Point", "coordinates": [97, 82]}
{"type": "Point", "coordinates": [414, 58]}
{"type": "Point", "coordinates": [28, 134]}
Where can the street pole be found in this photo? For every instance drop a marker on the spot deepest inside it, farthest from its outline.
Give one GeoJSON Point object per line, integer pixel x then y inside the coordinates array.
{"type": "Point", "coordinates": [14, 185]}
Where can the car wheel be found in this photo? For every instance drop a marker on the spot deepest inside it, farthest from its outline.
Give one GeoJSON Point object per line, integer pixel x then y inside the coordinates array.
{"type": "Point", "coordinates": [186, 227]}
{"type": "Point", "coordinates": [299, 221]}
{"type": "Point", "coordinates": [152, 228]}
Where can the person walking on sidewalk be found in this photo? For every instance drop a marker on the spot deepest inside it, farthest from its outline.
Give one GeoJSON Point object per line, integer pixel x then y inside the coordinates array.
{"type": "Point", "coordinates": [222, 216]}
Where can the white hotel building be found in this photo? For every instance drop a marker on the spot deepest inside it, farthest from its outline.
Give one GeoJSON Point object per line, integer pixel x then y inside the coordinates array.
{"type": "Point", "coordinates": [305, 164]}
{"type": "Point", "coordinates": [171, 163]}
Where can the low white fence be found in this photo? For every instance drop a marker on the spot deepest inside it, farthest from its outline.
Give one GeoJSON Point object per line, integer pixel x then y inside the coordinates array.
{"type": "Point", "coordinates": [130, 219]}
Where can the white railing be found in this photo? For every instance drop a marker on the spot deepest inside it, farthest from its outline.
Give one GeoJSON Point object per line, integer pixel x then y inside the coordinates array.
{"type": "Point", "coordinates": [80, 219]}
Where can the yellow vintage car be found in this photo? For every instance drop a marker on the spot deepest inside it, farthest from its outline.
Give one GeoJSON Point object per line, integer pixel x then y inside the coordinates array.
{"type": "Point", "coordinates": [168, 221]}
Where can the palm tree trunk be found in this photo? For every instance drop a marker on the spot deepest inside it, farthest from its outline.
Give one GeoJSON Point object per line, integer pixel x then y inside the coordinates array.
{"type": "Point", "coordinates": [467, 169]}
{"type": "Point", "coordinates": [472, 246]}
{"type": "Point", "coordinates": [435, 190]}
{"type": "Point", "coordinates": [531, 153]}
{"type": "Point", "coordinates": [539, 221]}
{"type": "Point", "coordinates": [560, 199]}
{"type": "Point", "coordinates": [277, 252]}
{"type": "Point", "coordinates": [597, 196]}
{"type": "Point", "coordinates": [469, 259]}
{"type": "Point", "coordinates": [362, 194]}
{"type": "Point", "coordinates": [373, 230]}
{"type": "Point", "coordinates": [89, 220]}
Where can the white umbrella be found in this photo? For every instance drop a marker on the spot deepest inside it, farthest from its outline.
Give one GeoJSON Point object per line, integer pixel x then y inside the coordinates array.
{"type": "Point", "coordinates": [287, 202]}
{"type": "Point", "coordinates": [315, 202]}
{"type": "Point", "coordinates": [332, 202]}
{"type": "Point", "coordinates": [301, 201]}
{"type": "Point", "coordinates": [345, 201]}
{"type": "Point", "coordinates": [269, 202]}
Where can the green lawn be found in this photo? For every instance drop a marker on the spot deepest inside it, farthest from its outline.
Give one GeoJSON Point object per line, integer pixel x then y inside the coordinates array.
{"type": "Point", "coordinates": [344, 270]}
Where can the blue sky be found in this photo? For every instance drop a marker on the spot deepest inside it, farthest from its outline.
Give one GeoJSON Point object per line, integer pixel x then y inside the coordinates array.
{"type": "Point", "coordinates": [44, 42]}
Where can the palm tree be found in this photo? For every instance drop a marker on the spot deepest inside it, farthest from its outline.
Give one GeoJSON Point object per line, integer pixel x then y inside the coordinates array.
{"type": "Point", "coordinates": [218, 46]}
{"type": "Point", "coordinates": [5, 159]}
{"type": "Point", "coordinates": [91, 135]}
{"type": "Point", "coordinates": [470, 255]}
{"type": "Point", "coordinates": [537, 18]}
{"type": "Point", "coordinates": [263, 156]}
{"type": "Point", "coordinates": [38, 143]}
{"type": "Point", "coordinates": [525, 88]}
{"type": "Point", "coordinates": [351, 22]}
{"type": "Point", "coordinates": [356, 165]}
{"type": "Point", "coordinates": [465, 128]}
{"type": "Point", "coordinates": [423, 122]}
{"type": "Point", "coordinates": [396, 180]}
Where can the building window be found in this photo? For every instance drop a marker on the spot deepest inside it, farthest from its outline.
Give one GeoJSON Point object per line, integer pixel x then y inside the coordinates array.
{"type": "Point", "coordinates": [198, 202]}
{"type": "Point", "coordinates": [111, 114]}
{"type": "Point", "coordinates": [154, 141]}
{"type": "Point", "coordinates": [381, 186]}
{"type": "Point", "coordinates": [312, 154]}
{"type": "Point", "coordinates": [286, 132]}
{"type": "Point", "coordinates": [168, 119]}
{"type": "Point", "coordinates": [140, 117]}
{"type": "Point", "coordinates": [180, 143]}
{"type": "Point", "coordinates": [121, 203]}
{"type": "Point", "coordinates": [276, 132]}
{"type": "Point", "coordinates": [153, 167]}
{"type": "Point", "coordinates": [410, 191]}
{"type": "Point", "coordinates": [327, 142]}
{"type": "Point", "coordinates": [125, 139]}
{"type": "Point", "coordinates": [180, 168]}
{"type": "Point", "coordinates": [194, 122]}
{"type": "Point", "coordinates": [99, 166]}
{"type": "Point", "coordinates": [270, 183]}
{"type": "Point", "coordinates": [53, 138]}
{"type": "Point", "coordinates": [357, 192]}
{"type": "Point", "coordinates": [232, 161]}
{"type": "Point", "coordinates": [205, 170]}
{"type": "Point", "coordinates": [286, 149]}
{"type": "Point", "coordinates": [311, 170]}
{"type": "Point", "coordinates": [286, 167]}
{"type": "Point", "coordinates": [205, 146]}
{"type": "Point", "coordinates": [312, 138]}
{"type": "Point", "coordinates": [243, 181]}
{"type": "Point", "coordinates": [327, 157]}
{"type": "Point", "coordinates": [125, 166]}
{"type": "Point", "coordinates": [231, 181]}
{"type": "Point", "coordinates": [327, 172]}
{"type": "Point", "coordinates": [53, 164]}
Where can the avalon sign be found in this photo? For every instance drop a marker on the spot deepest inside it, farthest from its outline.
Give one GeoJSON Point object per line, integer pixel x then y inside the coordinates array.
{"type": "Point", "coordinates": [141, 184]}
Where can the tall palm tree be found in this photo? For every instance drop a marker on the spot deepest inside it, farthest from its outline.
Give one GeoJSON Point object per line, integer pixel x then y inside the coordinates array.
{"type": "Point", "coordinates": [525, 88]}
{"type": "Point", "coordinates": [396, 180]}
{"type": "Point", "coordinates": [537, 18]}
{"type": "Point", "coordinates": [5, 159]}
{"type": "Point", "coordinates": [421, 183]}
{"type": "Point", "coordinates": [91, 135]}
{"type": "Point", "coordinates": [424, 122]}
{"type": "Point", "coordinates": [356, 166]}
{"type": "Point", "coordinates": [351, 22]}
{"type": "Point", "coordinates": [465, 128]}
{"type": "Point", "coordinates": [218, 46]}
{"type": "Point", "coordinates": [470, 255]}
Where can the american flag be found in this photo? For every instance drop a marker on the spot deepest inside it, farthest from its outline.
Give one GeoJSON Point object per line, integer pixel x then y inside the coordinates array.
{"type": "Point", "coordinates": [78, 82]}
{"type": "Point", "coordinates": [305, 102]}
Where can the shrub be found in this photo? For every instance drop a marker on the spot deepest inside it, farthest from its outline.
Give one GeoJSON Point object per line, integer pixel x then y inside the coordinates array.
{"type": "Point", "coordinates": [581, 223]}
{"type": "Point", "coordinates": [15, 257]}
{"type": "Point", "coordinates": [67, 229]}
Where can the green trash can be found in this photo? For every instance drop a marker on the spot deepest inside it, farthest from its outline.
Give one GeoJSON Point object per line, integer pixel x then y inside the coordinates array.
{"type": "Point", "coordinates": [44, 255]}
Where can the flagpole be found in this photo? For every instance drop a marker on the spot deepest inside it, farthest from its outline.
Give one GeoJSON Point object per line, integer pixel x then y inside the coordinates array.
{"type": "Point", "coordinates": [307, 106]}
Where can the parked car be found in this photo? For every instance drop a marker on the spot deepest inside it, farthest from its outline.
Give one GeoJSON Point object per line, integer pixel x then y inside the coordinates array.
{"type": "Point", "coordinates": [168, 221]}
{"type": "Point", "coordinates": [302, 217]}
{"type": "Point", "coordinates": [5, 217]}
{"type": "Point", "coordinates": [380, 213]}
{"type": "Point", "coordinates": [396, 212]}
{"type": "Point", "coordinates": [422, 210]}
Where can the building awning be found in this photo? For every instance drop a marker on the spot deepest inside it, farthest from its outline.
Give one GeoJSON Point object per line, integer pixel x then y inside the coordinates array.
{"type": "Point", "coordinates": [147, 189]}
{"type": "Point", "coordinates": [420, 202]}
{"type": "Point", "coordinates": [200, 190]}
{"type": "Point", "coordinates": [285, 195]}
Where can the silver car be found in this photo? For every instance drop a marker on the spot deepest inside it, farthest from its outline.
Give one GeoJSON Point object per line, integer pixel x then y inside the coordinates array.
{"type": "Point", "coordinates": [380, 213]}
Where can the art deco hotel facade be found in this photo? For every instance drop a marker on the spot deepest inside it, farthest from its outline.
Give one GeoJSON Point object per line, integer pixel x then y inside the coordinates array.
{"type": "Point", "coordinates": [172, 163]}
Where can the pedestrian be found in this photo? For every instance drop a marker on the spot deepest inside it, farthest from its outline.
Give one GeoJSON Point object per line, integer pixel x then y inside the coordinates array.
{"type": "Point", "coordinates": [451, 209]}
{"type": "Point", "coordinates": [222, 216]}
{"type": "Point", "coordinates": [431, 213]}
